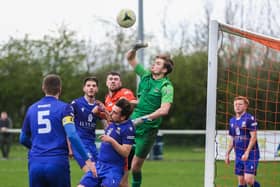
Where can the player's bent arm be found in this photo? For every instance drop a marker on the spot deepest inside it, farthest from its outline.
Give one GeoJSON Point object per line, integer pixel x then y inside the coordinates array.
{"type": "Point", "coordinates": [123, 150]}
{"type": "Point", "coordinates": [25, 140]}
{"type": "Point", "coordinates": [253, 140]}
{"type": "Point", "coordinates": [162, 111]}
{"type": "Point", "coordinates": [252, 143]}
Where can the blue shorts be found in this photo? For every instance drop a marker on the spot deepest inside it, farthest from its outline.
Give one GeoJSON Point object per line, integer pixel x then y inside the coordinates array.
{"type": "Point", "coordinates": [108, 175]}
{"type": "Point", "coordinates": [48, 172]}
{"type": "Point", "coordinates": [249, 166]}
{"type": "Point", "coordinates": [91, 148]}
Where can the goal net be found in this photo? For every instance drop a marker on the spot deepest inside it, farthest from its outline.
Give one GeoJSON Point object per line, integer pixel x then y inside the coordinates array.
{"type": "Point", "coordinates": [244, 63]}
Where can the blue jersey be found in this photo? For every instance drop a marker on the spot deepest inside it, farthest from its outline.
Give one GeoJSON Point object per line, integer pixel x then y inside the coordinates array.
{"type": "Point", "coordinates": [43, 123]}
{"type": "Point", "coordinates": [240, 129]}
{"type": "Point", "coordinates": [123, 133]}
{"type": "Point", "coordinates": [85, 120]}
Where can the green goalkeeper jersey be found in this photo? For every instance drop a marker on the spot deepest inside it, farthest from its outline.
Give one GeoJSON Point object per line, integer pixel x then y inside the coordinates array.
{"type": "Point", "coordinates": [151, 94]}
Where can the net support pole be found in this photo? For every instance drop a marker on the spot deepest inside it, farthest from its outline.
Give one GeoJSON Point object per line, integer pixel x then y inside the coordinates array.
{"type": "Point", "coordinates": [209, 172]}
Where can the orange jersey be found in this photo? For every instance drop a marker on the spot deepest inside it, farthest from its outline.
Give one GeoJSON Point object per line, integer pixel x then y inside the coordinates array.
{"type": "Point", "coordinates": [122, 93]}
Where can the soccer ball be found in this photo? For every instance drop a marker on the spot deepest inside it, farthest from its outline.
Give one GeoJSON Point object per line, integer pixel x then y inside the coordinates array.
{"type": "Point", "coordinates": [126, 18]}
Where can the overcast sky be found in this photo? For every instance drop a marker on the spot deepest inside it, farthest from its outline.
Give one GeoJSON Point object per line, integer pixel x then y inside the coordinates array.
{"type": "Point", "coordinates": [40, 17]}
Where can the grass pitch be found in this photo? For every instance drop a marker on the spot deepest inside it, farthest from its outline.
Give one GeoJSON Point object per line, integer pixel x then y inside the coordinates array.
{"type": "Point", "coordinates": [181, 167]}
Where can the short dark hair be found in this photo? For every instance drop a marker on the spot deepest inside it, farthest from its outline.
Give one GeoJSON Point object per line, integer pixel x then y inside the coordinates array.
{"type": "Point", "coordinates": [168, 62]}
{"type": "Point", "coordinates": [125, 106]}
{"type": "Point", "coordinates": [52, 84]}
{"type": "Point", "coordinates": [114, 73]}
{"type": "Point", "coordinates": [91, 78]}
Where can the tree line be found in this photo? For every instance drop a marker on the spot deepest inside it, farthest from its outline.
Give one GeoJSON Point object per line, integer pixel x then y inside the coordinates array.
{"type": "Point", "coordinates": [24, 62]}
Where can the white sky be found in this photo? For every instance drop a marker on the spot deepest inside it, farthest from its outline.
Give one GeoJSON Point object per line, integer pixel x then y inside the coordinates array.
{"type": "Point", "coordinates": [40, 17]}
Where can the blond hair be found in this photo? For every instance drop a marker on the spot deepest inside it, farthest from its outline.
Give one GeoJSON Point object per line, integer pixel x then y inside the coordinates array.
{"type": "Point", "coordinates": [243, 98]}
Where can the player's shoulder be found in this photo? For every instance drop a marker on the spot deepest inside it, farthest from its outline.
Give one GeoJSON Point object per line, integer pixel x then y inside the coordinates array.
{"type": "Point", "coordinates": [166, 81]}
{"type": "Point", "coordinates": [232, 119]}
{"type": "Point", "coordinates": [128, 126]}
{"type": "Point", "coordinates": [248, 116]}
{"type": "Point", "coordinates": [77, 101]}
{"type": "Point", "coordinates": [124, 91]}
{"type": "Point", "coordinates": [62, 103]}
{"type": "Point", "coordinates": [34, 106]}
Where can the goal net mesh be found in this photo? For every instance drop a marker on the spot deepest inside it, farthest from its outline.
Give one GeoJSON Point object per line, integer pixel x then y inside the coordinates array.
{"type": "Point", "coordinates": [248, 65]}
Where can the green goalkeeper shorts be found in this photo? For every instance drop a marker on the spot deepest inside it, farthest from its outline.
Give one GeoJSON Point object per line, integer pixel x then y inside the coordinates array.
{"type": "Point", "coordinates": [144, 140]}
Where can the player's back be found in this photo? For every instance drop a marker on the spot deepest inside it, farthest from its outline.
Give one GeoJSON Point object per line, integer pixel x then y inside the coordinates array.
{"type": "Point", "coordinates": [45, 122]}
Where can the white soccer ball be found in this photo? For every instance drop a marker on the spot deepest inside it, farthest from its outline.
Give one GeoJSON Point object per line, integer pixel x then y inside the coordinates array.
{"type": "Point", "coordinates": [126, 18]}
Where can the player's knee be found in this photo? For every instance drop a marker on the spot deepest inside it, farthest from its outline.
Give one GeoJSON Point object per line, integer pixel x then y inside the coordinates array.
{"type": "Point", "coordinates": [80, 185]}
{"type": "Point", "coordinates": [249, 181]}
{"type": "Point", "coordinates": [135, 168]}
{"type": "Point", "coordinates": [123, 184]}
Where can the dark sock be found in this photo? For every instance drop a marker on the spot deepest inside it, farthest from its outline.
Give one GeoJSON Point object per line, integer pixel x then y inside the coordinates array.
{"type": "Point", "coordinates": [136, 179]}
{"type": "Point", "coordinates": [256, 184]}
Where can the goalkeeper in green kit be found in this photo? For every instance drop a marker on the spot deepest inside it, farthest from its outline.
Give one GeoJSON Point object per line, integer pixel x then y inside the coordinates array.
{"type": "Point", "coordinates": [155, 96]}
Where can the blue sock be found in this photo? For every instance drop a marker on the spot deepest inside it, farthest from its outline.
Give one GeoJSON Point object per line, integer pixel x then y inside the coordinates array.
{"type": "Point", "coordinates": [242, 185]}
{"type": "Point", "coordinates": [256, 184]}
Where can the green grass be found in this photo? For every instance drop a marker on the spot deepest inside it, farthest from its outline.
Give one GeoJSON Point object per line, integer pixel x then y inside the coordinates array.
{"type": "Point", "coordinates": [181, 167]}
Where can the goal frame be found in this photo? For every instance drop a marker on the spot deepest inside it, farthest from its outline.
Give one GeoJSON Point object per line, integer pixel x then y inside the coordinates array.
{"type": "Point", "coordinates": [214, 28]}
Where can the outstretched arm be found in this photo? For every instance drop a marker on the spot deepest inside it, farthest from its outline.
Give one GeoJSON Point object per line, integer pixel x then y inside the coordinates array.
{"type": "Point", "coordinates": [131, 54]}
{"type": "Point", "coordinates": [131, 58]}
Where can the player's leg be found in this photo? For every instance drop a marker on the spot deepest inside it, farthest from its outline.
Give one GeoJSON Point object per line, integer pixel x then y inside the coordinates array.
{"type": "Point", "coordinates": [58, 173]}
{"type": "Point", "coordinates": [36, 174]}
{"type": "Point", "coordinates": [124, 181]}
{"type": "Point", "coordinates": [144, 140]}
{"type": "Point", "coordinates": [88, 180]}
{"type": "Point", "coordinates": [137, 164]}
{"type": "Point", "coordinates": [239, 171]}
{"type": "Point", "coordinates": [250, 180]}
{"type": "Point", "coordinates": [250, 173]}
{"type": "Point", "coordinates": [241, 181]}
{"type": "Point", "coordinates": [111, 175]}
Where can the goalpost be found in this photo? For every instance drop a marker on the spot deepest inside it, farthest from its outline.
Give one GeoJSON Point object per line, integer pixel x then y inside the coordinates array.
{"type": "Point", "coordinates": [241, 62]}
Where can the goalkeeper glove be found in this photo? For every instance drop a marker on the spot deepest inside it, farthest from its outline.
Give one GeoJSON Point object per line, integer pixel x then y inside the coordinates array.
{"type": "Point", "coordinates": [142, 119]}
